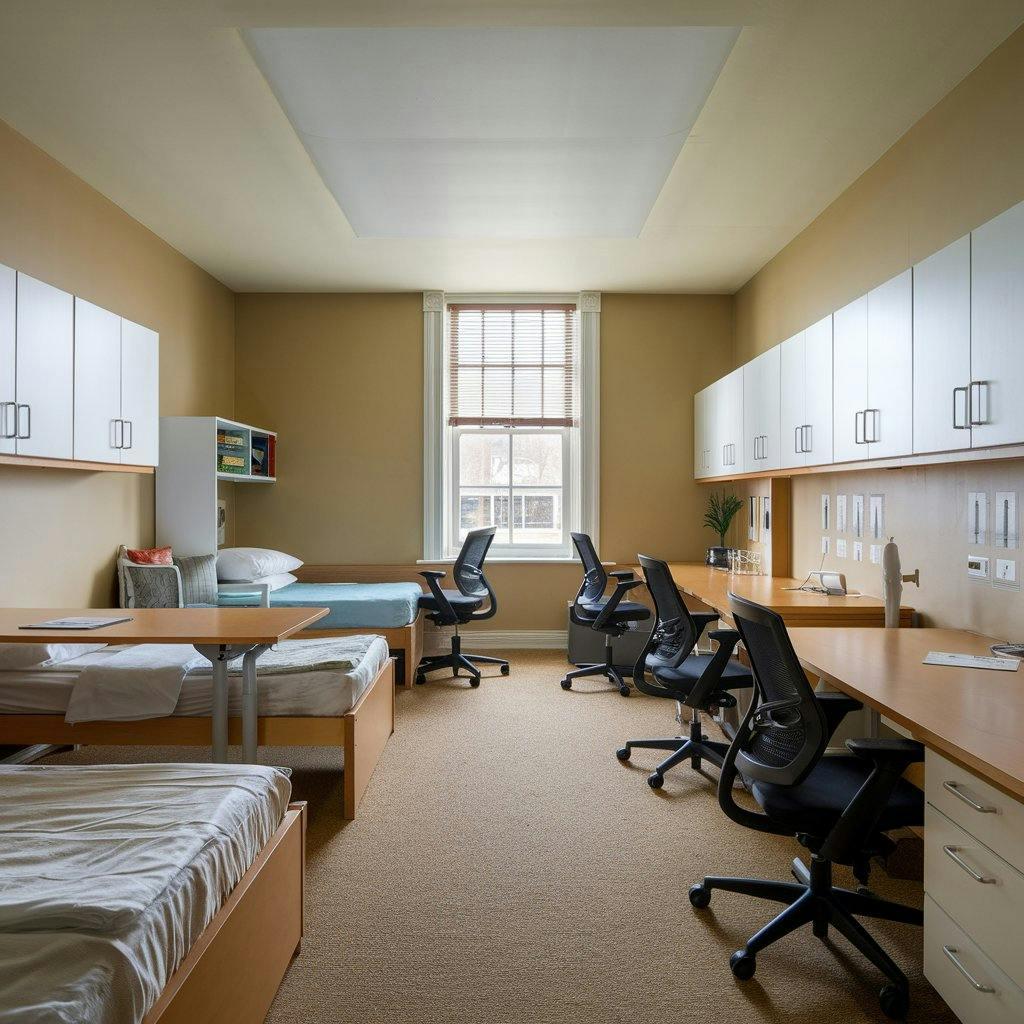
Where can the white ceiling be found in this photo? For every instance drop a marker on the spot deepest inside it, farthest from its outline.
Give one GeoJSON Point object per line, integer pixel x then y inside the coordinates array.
{"type": "Point", "coordinates": [163, 109]}
{"type": "Point", "coordinates": [493, 133]}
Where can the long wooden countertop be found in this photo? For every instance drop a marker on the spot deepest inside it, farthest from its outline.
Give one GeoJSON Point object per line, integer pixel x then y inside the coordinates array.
{"type": "Point", "coordinates": [972, 716]}
{"type": "Point", "coordinates": [797, 607]}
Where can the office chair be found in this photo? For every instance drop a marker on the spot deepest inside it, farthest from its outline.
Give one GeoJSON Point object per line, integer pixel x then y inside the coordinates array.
{"type": "Point", "coordinates": [838, 807]}
{"type": "Point", "coordinates": [610, 615]}
{"type": "Point", "coordinates": [701, 682]}
{"type": "Point", "coordinates": [457, 607]}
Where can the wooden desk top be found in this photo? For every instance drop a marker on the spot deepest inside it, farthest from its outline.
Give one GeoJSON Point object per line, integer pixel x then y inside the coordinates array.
{"type": "Point", "coordinates": [973, 716]}
{"type": "Point", "coordinates": [797, 607]}
{"type": "Point", "coordinates": [161, 625]}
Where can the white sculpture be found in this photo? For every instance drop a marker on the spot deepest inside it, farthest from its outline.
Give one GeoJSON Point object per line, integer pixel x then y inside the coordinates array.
{"type": "Point", "coordinates": [892, 583]}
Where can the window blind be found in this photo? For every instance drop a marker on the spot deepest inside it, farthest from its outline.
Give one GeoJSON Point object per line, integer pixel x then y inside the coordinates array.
{"type": "Point", "coordinates": [512, 365]}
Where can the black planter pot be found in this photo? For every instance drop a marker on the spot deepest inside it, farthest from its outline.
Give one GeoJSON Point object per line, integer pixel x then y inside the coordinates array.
{"type": "Point", "coordinates": [718, 557]}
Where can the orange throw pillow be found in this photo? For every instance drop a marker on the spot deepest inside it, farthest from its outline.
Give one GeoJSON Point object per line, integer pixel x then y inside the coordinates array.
{"type": "Point", "coordinates": [150, 556]}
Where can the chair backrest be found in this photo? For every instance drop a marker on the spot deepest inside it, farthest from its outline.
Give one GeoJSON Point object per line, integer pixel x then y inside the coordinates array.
{"type": "Point", "coordinates": [675, 633]}
{"type": "Point", "coordinates": [595, 578]}
{"type": "Point", "coordinates": [785, 732]}
{"type": "Point", "coordinates": [468, 571]}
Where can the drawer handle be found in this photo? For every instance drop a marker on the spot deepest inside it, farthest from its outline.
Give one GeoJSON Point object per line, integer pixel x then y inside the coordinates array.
{"type": "Point", "coordinates": [954, 788]}
{"type": "Point", "coordinates": [952, 852]}
{"type": "Point", "coordinates": [951, 956]}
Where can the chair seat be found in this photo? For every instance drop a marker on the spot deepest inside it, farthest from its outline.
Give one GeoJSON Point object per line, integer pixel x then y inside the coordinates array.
{"type": "Point", "coordinates": [816, 804]}
{"type": "Point", "coordinates": [458, 601]}
{"type": "Point", "coordinates": [627, 611]}
{"type": "Point", "coordinates": [735, 676]}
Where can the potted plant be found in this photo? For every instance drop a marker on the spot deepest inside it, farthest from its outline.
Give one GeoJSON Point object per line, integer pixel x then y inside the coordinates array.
{"type": "Point", "coordinates": [721, 510]}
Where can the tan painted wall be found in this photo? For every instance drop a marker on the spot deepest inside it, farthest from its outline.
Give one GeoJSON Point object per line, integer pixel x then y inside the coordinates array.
{"type": "Point", "coordinates": [61, 528]}
{"type": "Point", "coordinates": [958, 166]}
{"type": "Point", "coordinates": [341, 377]}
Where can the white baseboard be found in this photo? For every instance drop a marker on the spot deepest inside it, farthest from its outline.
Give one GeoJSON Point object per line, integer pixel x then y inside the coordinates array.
{"type": "Point", "coordinates": [437, 641]}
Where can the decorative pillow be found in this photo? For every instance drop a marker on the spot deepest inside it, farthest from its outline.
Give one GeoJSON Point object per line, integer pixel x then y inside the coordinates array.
{"type": "Point", "coordinates": [149, 586]}
{"type": "Point", "coordinates": [244, 565]}
{"type": "Point", "coordinates": [149, 556]}
{"type": "Point", "coordinates": [18, 656]}
{"type": "Point", "coordinates": [198, 579]}
{"type": "Point", "coordinates": [278, 580]}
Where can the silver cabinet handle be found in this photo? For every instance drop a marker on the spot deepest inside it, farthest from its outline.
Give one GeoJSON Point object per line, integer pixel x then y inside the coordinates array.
{"type": "Point", "coordinates": [28, 423]}
{"type": "Point", "coordinates": [954, 788]}
{"type": "Point", "coordinates": [876, 415]}
{"type": "Point", "coordinates": [798, 443]}
{"type": "Point", "coordinates": [965, 425]}
{"type": "Point", "coordinates": [951, 956]}
{"type": "Point", "coordinates": [977, 415]}
{"type": "Point", "coordinates": [8, 432]}
{"type": "Point", "coordinates": [953, 853]}
{"type": "Point", "coordinates": [809, 443]}
{"type": "Point", "coordinates": [116, 434]}
{"type": "Point", "coordinates": [857, 439]}
{"type": "Point", "coordinates": [131, 433]}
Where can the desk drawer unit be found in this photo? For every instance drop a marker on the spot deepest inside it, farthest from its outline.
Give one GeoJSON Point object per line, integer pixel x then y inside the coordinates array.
{"type": "Point", "coordinates": [974, 885]}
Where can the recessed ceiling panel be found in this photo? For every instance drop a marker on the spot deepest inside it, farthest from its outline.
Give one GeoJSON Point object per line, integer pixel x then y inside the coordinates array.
{"type": "Point", "coordinates": [493, 133]}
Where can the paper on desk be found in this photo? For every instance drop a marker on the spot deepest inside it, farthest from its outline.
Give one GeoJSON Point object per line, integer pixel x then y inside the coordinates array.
{"type": "Point", "coordinates": [972, 661]}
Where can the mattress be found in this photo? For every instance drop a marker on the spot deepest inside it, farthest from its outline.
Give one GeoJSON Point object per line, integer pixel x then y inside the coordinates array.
{"type": "Point", "coordinates": [354, 605]}
{"type": "Point", "coordinates": [109, 874]}
{"type": "Point", "coordinates": [314, 694]}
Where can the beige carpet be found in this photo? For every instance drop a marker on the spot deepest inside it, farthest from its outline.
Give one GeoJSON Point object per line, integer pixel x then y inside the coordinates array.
{"type": "Point", "coordinates": [505, 868]}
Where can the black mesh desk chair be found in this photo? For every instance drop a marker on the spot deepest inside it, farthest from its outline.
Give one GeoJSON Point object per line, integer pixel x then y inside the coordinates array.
{"type": "Point", "coordinates": [839, 808]}
{"type": "Point", "coordinates": [608, 615]}
{"type": "Point", "coordinates": [457, 607]}
{"type": "Point", "coordinates": [700, 682]}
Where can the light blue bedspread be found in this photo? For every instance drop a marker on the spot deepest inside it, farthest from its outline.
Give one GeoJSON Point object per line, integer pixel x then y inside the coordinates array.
{"type": "Point", "coordinates": [353, 605]}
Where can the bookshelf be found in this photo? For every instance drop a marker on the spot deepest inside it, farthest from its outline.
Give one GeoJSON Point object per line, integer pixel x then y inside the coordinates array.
{"type": "Point", "coordinates": [198, 455]}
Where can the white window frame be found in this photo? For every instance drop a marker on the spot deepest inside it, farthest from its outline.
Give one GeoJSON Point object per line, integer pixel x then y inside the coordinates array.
{"type": "Point", "coordinates": [580, 499]}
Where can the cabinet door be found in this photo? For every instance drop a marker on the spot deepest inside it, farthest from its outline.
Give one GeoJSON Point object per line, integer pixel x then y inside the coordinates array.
{"type": "Point", "coordinates": [98, 430]}
{"type": "Point", "coordinates": [768, 407]}
{"type": "Point", "coordinates": [752, 416]}
{"type": "Point", "coordinates": [45, 374]}
{"type": "Point", "coordinates": [792, 392]}
{"type": "Point", "coordinates": [850, 380]}
{"type": "Point", "coordinates": [699, 435]}
{"type": "Point", "coordinates": [890, 418]}
{"type": "Point", "coordinates": [818, 395]}
{"type": "Point", "coordinates": [997, 330]}
{"type": "Point", "coordinates": [140, 394]}
{"type": "Point", "coordinates": [730, 422]}
{"type": "Point", "coordinates": [942, 349]}
{"type": "Point", "coordinates": [8, 286]}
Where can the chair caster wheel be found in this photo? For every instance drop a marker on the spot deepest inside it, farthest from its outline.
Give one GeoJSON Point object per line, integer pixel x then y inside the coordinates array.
{"type": "Point", "coordinates": [566, 684]}
{"type": "Point", "coordinates": [895, 1002]}
{"type": "Point", "coordinates": [505, 670]}
{"type": "Point", "coordinates": [420, 678]}
{"type": "Point", "coordinates": [655, 780]}
{"type": "Point", "coordinates": [742, 965]}
{"type": "Point", "coordinates": [624, 690]}
{"type": "Point", "coordinates": [622, 753]}
{"type": "Point", "coordinates": [474, 681]}
{"type": "Point", "coordinates": [700, 896]}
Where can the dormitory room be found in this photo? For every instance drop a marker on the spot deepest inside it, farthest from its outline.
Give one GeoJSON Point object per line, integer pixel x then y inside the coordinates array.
{"type": "Point", "coordinates": [511, 512]}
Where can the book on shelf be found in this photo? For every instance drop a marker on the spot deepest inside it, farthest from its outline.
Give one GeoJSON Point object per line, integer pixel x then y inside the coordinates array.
{"type": "Point", "coordinates": [231, 440]}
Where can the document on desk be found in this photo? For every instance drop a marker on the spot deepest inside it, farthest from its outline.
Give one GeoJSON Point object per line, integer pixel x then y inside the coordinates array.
{"type": "Point", "coordinates": [972, 661]}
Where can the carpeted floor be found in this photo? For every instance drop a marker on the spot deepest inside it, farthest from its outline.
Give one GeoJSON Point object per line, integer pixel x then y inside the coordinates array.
{"type": "Point", "coordinates": [505, 868]}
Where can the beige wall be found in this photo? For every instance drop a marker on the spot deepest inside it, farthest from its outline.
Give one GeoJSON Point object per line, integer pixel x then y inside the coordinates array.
{"type": "Point", "coordinates": [61, 528]}
{"type": "Point", "coordinates": [960, 165]}
{"type": "Point", "coordinates": [341, 377]}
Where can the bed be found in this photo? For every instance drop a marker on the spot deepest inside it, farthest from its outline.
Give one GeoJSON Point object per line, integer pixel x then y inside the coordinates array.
{"type": "Point", "coordinates": [147, 893]}
{"type": "Point", "coordinates": [352, 708]}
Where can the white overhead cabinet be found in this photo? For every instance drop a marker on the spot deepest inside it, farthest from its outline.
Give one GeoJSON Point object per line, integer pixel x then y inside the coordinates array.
{"type": "Point", "coordinates": [761, 395]}
{"type": "Point", "coordinates": [942, 349]}
{"type": "Point", "coordinates": [849, 379]}
{"type": "Point", "coordinates": [701, 435]}
{"type": "Point", "coordinates": [116, 388]}
{"type": "Point", "coordinates": [996, 387]}
{"type": "Point", "coordinates": [8, 362]}
{"type": "Point", "coordinates": [44, 380]}
{"type": "Point", "coordinates": [806, 397]}
{"type": "Point", "coordinates": [726, 419]}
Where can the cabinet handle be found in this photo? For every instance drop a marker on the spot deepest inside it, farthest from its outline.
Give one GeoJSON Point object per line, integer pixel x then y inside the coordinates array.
{"type": "Point", "coordinates": [876, 415]}
{"type": "Point", "coordinates": [953, 853]}
{"type": "Point", "coordinates": [131, 433]}
{"type": "Point", "coordinates": [951, 956]}
{"type": "Point", "coordinates": [954, 788]}
{"type": "Point", "coordinates": [809, 443]}
{"type": "Point", "coordinates": [967, 403]}
{"type": "Point", "coordinates": [798, 442]}
{"type": "Point", "coordinates": [28, 423]}
{"type": "Point", "coordinates": [114, 442]}
{"type": "Point", "coordinates": [856, 428]}
{"type": "Point", "coordinates": [5, 432]}
{"type": "Point", "coordinates": [978, 415]}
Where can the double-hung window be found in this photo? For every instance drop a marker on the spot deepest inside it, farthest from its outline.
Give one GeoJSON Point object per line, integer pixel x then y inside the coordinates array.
{"type": "Point", "coordinates": [512, 414]}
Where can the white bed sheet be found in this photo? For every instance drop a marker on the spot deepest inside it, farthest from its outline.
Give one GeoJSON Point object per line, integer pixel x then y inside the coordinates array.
{"type": "Point", "coordinates": [109, 874]}
{"type": "Point", "coordinates": [303, 694]}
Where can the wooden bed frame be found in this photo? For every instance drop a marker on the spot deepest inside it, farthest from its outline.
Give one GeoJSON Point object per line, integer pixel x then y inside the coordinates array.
{"type": "Point", "coordinates": [233, 971]}
{"type": "Point", "coordinates": [362, 733]}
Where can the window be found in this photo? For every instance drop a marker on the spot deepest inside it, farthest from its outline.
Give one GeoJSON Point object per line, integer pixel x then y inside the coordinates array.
{"type": "Point", "coordinates": [512, 417]}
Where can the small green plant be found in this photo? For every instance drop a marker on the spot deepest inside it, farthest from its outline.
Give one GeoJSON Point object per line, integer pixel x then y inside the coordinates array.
{"type": "Point", "coordinates": [722, 508]}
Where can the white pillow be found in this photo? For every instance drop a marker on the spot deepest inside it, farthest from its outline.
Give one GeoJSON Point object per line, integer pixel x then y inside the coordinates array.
{"type": "Point", "coordinates": [18, 656]}
{"type": "Point", "coordinates": [278, 580]}
{"type": "Point", "coordinates": [244, 565]}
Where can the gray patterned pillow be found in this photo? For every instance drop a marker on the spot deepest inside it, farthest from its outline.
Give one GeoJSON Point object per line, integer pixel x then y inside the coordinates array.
{"type": "Point", "coordinates": [198, 579]}
{"type": "Point", "coordinates": [150, 586]}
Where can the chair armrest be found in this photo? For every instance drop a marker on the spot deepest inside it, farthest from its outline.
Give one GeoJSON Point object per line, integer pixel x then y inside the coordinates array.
{"type": "Point", "coordinates": [433, 574]}
{"type": "Point", "coordinates": [897, 754]}
{"type": "Point", "coordinates": [623, 574]}
{"type": "Point", "coordinates": [443, 605]}
{"type": "Point", "coordinates": [710, 681]}
{"type": "Point", "coordinates": [260, 590]}
{"type": "Point", "coordinates": [702, 620]}
{"type": "Point", "coordinates": [836, 707]}
{"type": "Point", "coordinates": [622, 587]}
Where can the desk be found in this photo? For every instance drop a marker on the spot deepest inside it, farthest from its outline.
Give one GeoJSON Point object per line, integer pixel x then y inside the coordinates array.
{"type": "Point", "coordinates": [218, 634]}
{"type": "Point", "coordinates": [797, 607]}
